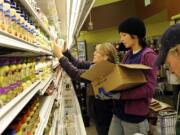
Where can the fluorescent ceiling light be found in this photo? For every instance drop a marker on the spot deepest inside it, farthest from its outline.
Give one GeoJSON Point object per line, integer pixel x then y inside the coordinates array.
{"type": "Point", "coordinates": [75, 4]}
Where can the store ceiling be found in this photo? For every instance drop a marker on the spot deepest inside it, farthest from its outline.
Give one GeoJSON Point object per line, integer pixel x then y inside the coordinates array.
{"type": "Point", "coordinates": [56, 12]}
{"type": "Point", "coordinates": [104, 2]}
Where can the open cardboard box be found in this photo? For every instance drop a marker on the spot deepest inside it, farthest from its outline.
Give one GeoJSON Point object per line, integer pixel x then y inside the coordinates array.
{"type": "Point", "coordinates": [157, 106]}
{"type": "Point", "coordinates": [114, 77]}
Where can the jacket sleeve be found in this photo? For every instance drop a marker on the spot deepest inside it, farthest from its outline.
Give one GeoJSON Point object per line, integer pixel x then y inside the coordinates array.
{"type": "Point", "coordinates": [82, 64]}
{"type": "Point", "coordinates": [73, 72]}
{"type": "Point", "coordinates": [147, 90]}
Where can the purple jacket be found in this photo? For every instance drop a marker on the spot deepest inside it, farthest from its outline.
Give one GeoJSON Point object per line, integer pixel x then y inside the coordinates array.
{"type": "Point", "coordinates": [73, 67]}
{"type": "Point", "coordinates": [137, 100]}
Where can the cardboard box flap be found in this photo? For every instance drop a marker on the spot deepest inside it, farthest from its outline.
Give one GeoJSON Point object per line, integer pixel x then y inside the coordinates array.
{"type": "Point", "coordinates": [98, 70]}
{"type": "Point", "coordinates": [135, 66]}
{"type": "Point", "coordinates": [156, 105]}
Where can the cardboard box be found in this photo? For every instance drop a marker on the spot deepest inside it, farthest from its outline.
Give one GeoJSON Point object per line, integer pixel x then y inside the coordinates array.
{"type": "Point", "coordinates": [114, 77]}
{"type": "Point", "coordinates": [157, 106]}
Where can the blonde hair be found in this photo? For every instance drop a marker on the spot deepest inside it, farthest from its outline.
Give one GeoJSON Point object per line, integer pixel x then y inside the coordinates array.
{"type": "Point", "coordinates": [109, 50]}
{"type": "Point", "coordinates": [175, 50]}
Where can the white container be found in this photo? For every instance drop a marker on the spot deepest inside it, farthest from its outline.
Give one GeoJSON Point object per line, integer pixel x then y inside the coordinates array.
{"type": "Point", "coordinates": [168, 122]}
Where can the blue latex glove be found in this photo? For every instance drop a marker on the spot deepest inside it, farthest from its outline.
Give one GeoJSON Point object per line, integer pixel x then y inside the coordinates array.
{"type": "Point", "coordinates": [103, 95]}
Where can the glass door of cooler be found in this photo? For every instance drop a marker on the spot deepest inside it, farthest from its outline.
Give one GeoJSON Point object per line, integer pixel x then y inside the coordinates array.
{"type": "Point", "coordinates": [82, 50]}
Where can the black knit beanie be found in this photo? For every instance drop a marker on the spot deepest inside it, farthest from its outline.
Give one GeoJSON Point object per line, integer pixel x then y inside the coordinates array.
{"type": "Point", "coordinates": [134, 26]}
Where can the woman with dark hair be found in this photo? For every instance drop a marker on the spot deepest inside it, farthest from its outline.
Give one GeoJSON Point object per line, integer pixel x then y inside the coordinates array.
{"type": "Point", "coordinates": [130, 111]}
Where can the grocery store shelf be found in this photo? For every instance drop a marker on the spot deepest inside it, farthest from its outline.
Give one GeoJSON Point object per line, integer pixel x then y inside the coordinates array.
{"type": "Point", "coordinates": [44, 113]}
{"type": "Point", "coordinates": [12, 109]}
{"type": "Point", "coordinates": [60, 90]}
{"type": "Point", "coordinates": [54, 124]}
{"type": "Point", "coordinates": [60, 118]}
{"type": "Point", "coordinates": [79, 116]}
{"type": "Point", "coordinates": [74, 111]}
{"type": "Point", "coordinates": [58, 79]}
{"type": "Point", "coordinates": [45, 84]}
{"type": "Point", "coordinates": [60, 109]}
{"type": "Point", "coordinates": [55, 64]}
{"type": "Point", "coordinates": [34, 13]}
{"type": "Point", "coordinates": [10, 41]}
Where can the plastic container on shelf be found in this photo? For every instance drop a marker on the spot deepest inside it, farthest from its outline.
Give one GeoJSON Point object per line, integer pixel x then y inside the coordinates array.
{"type": "Point", "coordinates": [18, 16]}
{"type": "Point", "coordinates": [13, 18]}
{"type": "Point", "coordinates": [19, 88]}
{"type": "Point", "coordinates": [7, 19]}
{"type": "Point", "coordinates": [16, 74]}
{"type": "Point", "coordinates": [36, 35]}
{"type": "Point", "coordinates": [30, 31]}
{"type": "Point", "coordinates": [26, 27]}
{"type": "Point", "coordinates": [22, 24]}
{"type": "Point", "coordinates": [7, 89]}
{"type": "Point", "coordinates": [2, 97]}
{"type": "Point", "coordinates": [11, 92]}
{"type": "Point", "coordinates": [3, 73]}
{"type": "Point", "coordinates": [1, 14]}
{"type": "Point", "coordinates": [26, 122]}
{"type": "Point", "coordinates": [33, 31]}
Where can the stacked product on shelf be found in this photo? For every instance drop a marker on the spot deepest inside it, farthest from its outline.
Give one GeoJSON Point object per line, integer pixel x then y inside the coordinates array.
{"type": "Point", "coordinates": [18, 23]}
{"type": "Point", "coordinates": [27, 120]}
{"type": "Point", "coordinates": [24, 29]}
{"type": "Point", "coordinates": [43, 67]}
{"type": "Point", "coordinates": [16, 74]}
{"type": "Point", "coordinates": [50, 121]}
{"type": "Point", "coordinates": [47, 110]}
{"type": "Point", "coordinates": [44, 19]}
{"type": "Point", "coordinates": [19, 77]}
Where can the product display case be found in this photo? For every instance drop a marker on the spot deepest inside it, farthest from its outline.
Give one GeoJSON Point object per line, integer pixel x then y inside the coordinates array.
{"type": "Point", "coordinates": [70, 119]}
{"type": "Point", "coordinates": [82, 50]}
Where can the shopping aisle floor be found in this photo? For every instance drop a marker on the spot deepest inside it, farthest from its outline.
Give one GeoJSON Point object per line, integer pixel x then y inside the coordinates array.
{"type": "Point", "coordinates": [91, 130]}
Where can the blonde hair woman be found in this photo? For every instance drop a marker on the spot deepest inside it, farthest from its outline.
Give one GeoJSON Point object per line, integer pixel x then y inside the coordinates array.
{"type": "Point", "coordinates": [102, 110]}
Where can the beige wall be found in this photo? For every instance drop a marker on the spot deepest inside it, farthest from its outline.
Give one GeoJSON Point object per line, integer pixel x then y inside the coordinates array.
{"type": "Point", "coordinates": [94, 37]}
{"type": "Point", "coordinates": [99, 36]}
{"type": "Point", "coordinates": [156, 29]}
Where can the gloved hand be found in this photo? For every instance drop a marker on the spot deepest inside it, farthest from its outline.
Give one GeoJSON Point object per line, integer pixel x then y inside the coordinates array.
{"type": "Point", "coordinates": [103, 95]}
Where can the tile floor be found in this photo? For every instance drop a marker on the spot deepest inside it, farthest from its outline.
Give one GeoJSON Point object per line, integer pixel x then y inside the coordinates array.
{"type": "Point", "coordinates": [91, 130]}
